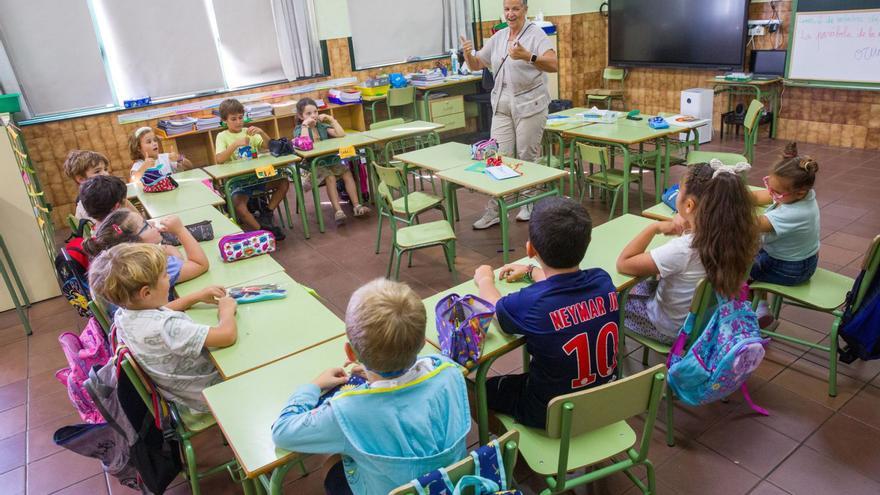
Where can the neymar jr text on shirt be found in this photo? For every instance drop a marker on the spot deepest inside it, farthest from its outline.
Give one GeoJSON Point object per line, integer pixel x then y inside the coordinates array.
{"type": "Point", "coordinates": [583, 311]}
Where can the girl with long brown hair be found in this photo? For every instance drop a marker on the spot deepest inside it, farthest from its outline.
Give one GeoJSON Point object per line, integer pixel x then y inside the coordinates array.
{"type": "Point", "coordinates": [717, 238]}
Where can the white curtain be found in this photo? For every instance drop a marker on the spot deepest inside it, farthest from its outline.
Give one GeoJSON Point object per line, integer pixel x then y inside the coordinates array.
{"type": "Point", "coordinates": [456, 22]}
{"type": "Point", "coordinates": [247, 42]}
{"type": "Point", "coordinates": [298, 41]}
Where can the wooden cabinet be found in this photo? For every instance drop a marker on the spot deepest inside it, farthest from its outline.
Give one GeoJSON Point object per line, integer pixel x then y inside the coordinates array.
{"type": "Point", "coordinates": [448, 111]}
{"type": "Point", "coordinates": [198, 146]}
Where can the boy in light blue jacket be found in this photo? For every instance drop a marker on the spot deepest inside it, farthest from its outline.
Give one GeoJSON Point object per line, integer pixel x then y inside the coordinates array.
{"type": "Point", "coordinates": [410, 417]}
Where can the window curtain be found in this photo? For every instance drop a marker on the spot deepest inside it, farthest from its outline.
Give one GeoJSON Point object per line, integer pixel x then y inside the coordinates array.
{"type": "Point", "coordinates": [247, 42]}
{"type": "Point", "coordinates": [298, 41]}
{"type": "Point", "coordinates": [456, 23]}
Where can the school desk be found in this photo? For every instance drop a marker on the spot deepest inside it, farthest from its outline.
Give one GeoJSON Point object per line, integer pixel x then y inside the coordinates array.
{"type": "Point", "coordinates": [133, 190]}
{"type": "Point", "coordinates": [622, 136]}
{"type": "Point", "coordinates": [662, 212]}
{"type": "Point", "coordinates": [325, 151]}
{"type": "Point", "coordinates": [230, 174]}
{"type": "Point", "coordinates": [474, 177]}
{"type": "Point", "coordinates": [191, 193]}
{"type": "Point", "coordinates": [229, 274]}
{"type": "Point", "coordinates": [271, 330]}
{"type": "Point", "coordinates": [220, 223]}
{"type": "Point", "coordinates": [438, 158]}
{"type": "Point", "coordinates": [265, 391]}
{"type": "Point", "coordinates": [771, 89]}
{"type": "Point", "coordinates": [388, 136]}
{"type": "Point", "coordinates": [608, 240]}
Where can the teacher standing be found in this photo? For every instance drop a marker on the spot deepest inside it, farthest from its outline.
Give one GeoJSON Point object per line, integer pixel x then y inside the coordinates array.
{"type": "Point", "coordinates": [519, 56]}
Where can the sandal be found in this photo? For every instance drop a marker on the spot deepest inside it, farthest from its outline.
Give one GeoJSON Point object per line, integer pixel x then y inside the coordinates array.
{"type": "Point", "coordinates": [340, 216]}
{"type": "Point", "coordinates": [360, 210]}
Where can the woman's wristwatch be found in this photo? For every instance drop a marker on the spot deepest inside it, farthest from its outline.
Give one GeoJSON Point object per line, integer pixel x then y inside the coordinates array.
{"type": "Point", "coordinates": [533, 59]}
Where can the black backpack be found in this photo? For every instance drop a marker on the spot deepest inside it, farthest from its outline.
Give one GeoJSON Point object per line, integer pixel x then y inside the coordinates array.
{"type": "Point", "coordinates": [73, 277]}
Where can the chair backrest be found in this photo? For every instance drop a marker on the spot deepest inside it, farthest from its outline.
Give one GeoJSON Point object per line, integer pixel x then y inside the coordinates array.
{"type": "Point", "coordinates": [606, 404]}
{"type": "Point", "coordinates": [613, 74]}
{"type": "Point", "coordinates": [752, 115]}
{"type": "Point", "coordinates": [871, 265]}
{"type": "Point", "coordinates": [139, 380]}
{"type": "Point", "coordinates": [100, 313]}
{"type": "Point", "coordinates": [387, 123]}
{"type": "Point", "coordinates": [391, 179]}
{"type": "Point", "coordinates": [597, 155]}
{"type": "Point", "coordinates": [702, 306]}
{"type": "Point", "coordinates": [508, 443]}
{"type": "Point", "coordinates": [401, 96]}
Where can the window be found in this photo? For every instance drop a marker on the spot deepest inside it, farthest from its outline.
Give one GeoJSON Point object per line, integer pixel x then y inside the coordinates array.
{"type": "Point", "coordinates": [54, 56]}
{"type": "Point", "coordinates": [69, 56]}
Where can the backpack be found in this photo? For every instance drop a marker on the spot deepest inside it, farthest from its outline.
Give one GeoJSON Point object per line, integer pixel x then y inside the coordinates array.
{"type": "Point", "coordinates": [489, 479]}
{"type": "Point", "coordinates": [721, 359]}
{"type": "Point", "coordinates": [462, 323]}
{"type": "Point", "coordinates": [71, 266]}
{"type": "Point", "coordinates": [150, 448]}
{"type": "Point", "coordinates": [360, 172]}
{"type": "Point", "coordinates": [670, 195]}
{"type": "Point", "coordinates": [484, 149]}
{"type": "Point", "coordinates": [860, 328]}
{"type": "Point", "coordinates": [83, 352]}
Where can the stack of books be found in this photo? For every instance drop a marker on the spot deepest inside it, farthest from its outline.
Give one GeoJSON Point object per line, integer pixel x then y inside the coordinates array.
{"type": "Point", "coordinates": [257, 110]}
{"type": "Point", "coordinates": [203, 123]}
{"type": "Point", "coordinates": [340, 97]}
{"type": "Point", "coordinates": [426, 78]}
{"type": "Point", "coordinates": [177, 125]}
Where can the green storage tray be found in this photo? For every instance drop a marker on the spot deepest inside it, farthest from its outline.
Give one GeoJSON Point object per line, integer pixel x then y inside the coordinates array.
{"type": "Point", "coordinates": [9, 103]}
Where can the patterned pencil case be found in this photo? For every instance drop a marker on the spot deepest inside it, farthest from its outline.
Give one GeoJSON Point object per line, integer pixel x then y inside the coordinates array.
{"type": "Point", "coordinates": [155, 181]}
{"type": "Point", "coordinates": [202, 231]}
{"type": "Point", "coordinates": [236, 247]}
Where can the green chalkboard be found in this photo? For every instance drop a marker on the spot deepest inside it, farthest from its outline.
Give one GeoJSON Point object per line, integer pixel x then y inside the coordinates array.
{"type": "Point", "coordinates": [831, 5]}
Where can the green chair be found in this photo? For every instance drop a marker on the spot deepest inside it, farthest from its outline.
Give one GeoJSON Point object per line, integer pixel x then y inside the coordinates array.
{"type": "Point", "coordinates": [612, 88]}
{"type": "Point", "coordinates": [99, 311]}
{"type": "Point", "coordinates": [606, 179]}
{"type": "Point", "coordinates": [403, 145]}
{"type": "Point", "coordinates": [17, 292]}
{"type": "Point", "coordinates": [825, 292]}
{"type": "Point", "coordinates": [702, 306]}
{"type": "Point", "coordinates": [508, 443]}
{"type": "Point", "coordinates": [409, 205]}
{"type": "Point", "coordinates": [588, 427]}
{"type": "Point", "coordinates": [186, 425]}
{"type": "Point", "coordinates": [402, 98]}
{"type": "Point", "coordinates": [750, 136]}
{"type": "Point", "coordinates": [413, 236]}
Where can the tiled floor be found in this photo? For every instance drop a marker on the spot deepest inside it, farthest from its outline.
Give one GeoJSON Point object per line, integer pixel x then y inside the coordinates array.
{"type": "Point", "coordinates": [810, 444]}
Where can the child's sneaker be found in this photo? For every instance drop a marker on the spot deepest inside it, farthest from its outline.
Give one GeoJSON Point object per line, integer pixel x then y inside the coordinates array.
{"type": "Point", "coordinates": [340, 216]}
{"type": "Point", "coordinates": [360, 210]}
{"type": "Point", "coordinates": [765, 319]}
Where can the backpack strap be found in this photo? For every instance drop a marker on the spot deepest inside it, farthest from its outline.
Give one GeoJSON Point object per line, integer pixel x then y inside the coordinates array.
{"type": "Point", "coordinates": [758, 409]}
{"type": "Point", "coordinates": [488, 464]}
{"type": "Point", "coordinates": [436, 482]}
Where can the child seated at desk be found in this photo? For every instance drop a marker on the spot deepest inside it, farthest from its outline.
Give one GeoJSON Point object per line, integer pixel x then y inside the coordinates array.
{"type": "Point", "coordinates": [82, 165]}
{"type": "Point", "coordinates": [143, 148]}
{"type": "Point", "coordinates": [101, 195]}
{"type": "Point", "coordinates": [124, 225]}
{"type": "Point", "coordinates": [318, 127]}
{"type": "Point", "coordinates": [790, 226]}
{"type": "Point", "coordinates": [568, 316]}
{"type": "Point", "coordinates": [164, 341]}
{"type": "Point", "coordinates": [228, 145]}
{"type": "Point", "coordinates": [410, 417]}
{"type": "Point", "coordinates": [717, 238]}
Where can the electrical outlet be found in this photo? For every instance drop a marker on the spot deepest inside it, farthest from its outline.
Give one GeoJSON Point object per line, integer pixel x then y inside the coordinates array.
{"type": "Point", "coordinates": [756, 31]}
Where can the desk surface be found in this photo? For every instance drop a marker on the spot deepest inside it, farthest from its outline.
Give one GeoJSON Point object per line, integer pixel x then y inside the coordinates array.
{"type": "Point", "coordinates": [331, 146]}
{"type": "Point", "coordinates": [242, 167]}
{"type": "Point", "coordinates": [221, 224]}
{"type": "Point", "coordinates": [662, 212]}
{"type": "Point", "coordinates": [403, 130]}
{"type": "Point", "coordinates": [249, 430]}
{"type": "Point", "coordinates": [191, 194]}
{"type": "Point", "coordinates": [627, 133]}
{"type": "Point", "coordinates": [533, 174]}
{"type": "Point", "coordinates": [438, 158]}
{"type": "Point", "coordinates": [271, 330]}
{"type": "Point", "coordinates": [229, 274]}
{"type": "Point", "coordinates": [134, 189]}
{"type": "Point", "coordinates": [608, 240]}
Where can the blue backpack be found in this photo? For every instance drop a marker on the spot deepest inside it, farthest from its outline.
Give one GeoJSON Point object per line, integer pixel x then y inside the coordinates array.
{"type": "Point", "coordinates": [489, 479]}
{"type": "Point", "coordinates": [670, 195]}
{"type": "Point", "coordinates": [860, 328]}
{"type": "Point", "coordinates": [721, 359]}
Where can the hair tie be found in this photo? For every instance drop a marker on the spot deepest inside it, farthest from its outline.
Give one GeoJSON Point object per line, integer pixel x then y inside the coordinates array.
{"type": "Point", "coordinates": [721, 168]}
{"type": "Point", "coordinates": [117, 229]}
{"type": "Point", "coordinates": [142, 130]}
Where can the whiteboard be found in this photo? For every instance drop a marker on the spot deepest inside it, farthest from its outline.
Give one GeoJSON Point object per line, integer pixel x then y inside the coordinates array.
{"type": "Point", "coordinates": [385, 32]}
{"type": "Point", "coordinates": [836, 46]}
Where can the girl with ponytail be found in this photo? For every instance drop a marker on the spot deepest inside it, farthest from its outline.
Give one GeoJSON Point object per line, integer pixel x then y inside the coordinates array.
{"type": "Point", "coordinates": [716, 238]}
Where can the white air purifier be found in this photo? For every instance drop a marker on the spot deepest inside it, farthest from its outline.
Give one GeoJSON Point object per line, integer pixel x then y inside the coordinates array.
{"type": "Point", "coordinates": [698, 102]}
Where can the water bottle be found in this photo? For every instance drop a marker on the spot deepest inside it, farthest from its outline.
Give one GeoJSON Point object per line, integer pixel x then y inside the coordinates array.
{"type": "Point", "coordinates": [453, 61]}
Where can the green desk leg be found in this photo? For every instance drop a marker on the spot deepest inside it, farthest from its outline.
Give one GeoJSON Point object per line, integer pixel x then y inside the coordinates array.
{"type": "Point", "coordinates": [276, 482]}
{"type": "Point", "coordinates": [504, 208]}
{"type": "Point", "coordinates": [20, 305]}
{"type": "Point", "coordinates": [482, 400]}
{"type": "Point", "coordinates": [300, 199]}
{"type": "Point", "coordinates": [373, 108]}
{"type": "Point", "coordinates": [316, 193]}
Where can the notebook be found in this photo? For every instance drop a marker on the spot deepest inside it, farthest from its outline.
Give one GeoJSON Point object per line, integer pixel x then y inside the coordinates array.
{"type": "Point", "coordinates": [501, 172]}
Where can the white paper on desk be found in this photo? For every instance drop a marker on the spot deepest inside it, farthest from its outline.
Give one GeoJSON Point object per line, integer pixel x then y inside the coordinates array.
{"type": "Point", "coordinates": [501, 172]}
{"type": "Point", "coordinates": [673, 120]}
{"type": "Point", "coordinates": [600, 116]}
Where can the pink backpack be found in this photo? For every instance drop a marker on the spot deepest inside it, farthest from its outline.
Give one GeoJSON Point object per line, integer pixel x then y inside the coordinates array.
{"type": "Point", "coordinates": [83, 352]}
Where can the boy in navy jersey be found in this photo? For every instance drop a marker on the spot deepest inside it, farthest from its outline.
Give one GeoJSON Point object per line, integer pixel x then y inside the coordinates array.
{"type": "Point", "coordinates": [568, 316]}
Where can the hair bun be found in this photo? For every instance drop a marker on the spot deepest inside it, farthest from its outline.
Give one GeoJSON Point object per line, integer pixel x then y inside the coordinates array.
{"type": "Point", "coordinates": [809, 165]}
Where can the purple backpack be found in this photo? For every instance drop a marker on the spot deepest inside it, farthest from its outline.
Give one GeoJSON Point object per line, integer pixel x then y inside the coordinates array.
{"type": "Point", "coordinates": [462, 323]}
{"type": "Point", "coordinates": [83, 352]}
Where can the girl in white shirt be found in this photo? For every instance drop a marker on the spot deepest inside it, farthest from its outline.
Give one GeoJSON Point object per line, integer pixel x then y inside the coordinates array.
{"type": "Point", "coordinates": [143, 147]}
{"type": "Point", "coordinates": [717, 240]}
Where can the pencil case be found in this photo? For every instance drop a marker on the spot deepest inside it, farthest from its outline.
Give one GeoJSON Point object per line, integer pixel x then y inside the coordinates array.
{"type": "Point", "coordinates": [155, 181]}
{"type": "Point", "coordinates": [202, 231]}
{"type": "Point", "coordinates": [236, 247]}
